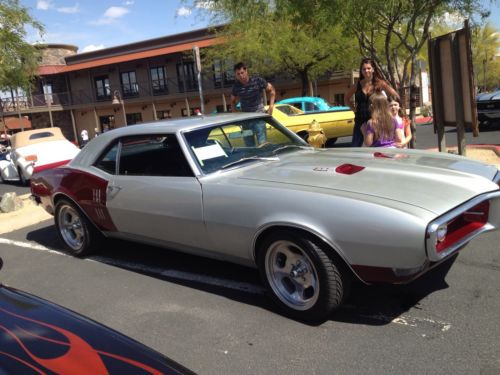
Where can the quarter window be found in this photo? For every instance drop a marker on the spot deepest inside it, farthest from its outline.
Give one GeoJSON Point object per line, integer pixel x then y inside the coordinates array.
{"type": "Point", "coordinates": [107, 162]}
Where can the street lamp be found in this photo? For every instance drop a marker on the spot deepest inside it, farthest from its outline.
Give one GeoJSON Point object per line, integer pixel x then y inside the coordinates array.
{"type": "Point", "coordinates": [117, 99]}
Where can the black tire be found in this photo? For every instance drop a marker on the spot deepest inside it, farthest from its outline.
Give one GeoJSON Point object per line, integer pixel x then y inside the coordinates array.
{"type": "Point", "coordinates": [330, 142]}
{"type": "Point", "coordinates": [22, 179]}
{"type": "Point", "coordinates": [79, 235]}
{"type": "Point", "coordinates": [304, 135]}
{"type": "Point", "coordinates": [302, 279]}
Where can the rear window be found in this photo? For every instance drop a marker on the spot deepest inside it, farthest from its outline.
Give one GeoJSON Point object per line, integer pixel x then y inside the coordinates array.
{"type": "Point", "coordinates": [41, 135]}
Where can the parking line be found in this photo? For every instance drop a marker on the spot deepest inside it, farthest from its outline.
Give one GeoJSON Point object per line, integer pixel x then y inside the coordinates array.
{"type": "Point", "coordinates": [174, 274]}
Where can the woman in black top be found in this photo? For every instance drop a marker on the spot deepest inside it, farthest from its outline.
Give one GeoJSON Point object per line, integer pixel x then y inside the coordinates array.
{"type": "Point", "coordinates": [370, 81]}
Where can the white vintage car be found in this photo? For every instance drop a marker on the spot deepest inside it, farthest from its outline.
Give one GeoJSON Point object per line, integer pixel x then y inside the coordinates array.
{"type": "Point", "coordinates": [245, 189]}
{"type": "Point", "coordinates": [35, 150]}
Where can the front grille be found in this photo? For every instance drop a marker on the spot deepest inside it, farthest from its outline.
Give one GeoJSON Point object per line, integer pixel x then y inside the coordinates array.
{"type": "Point", "coordinates": [489, 106]}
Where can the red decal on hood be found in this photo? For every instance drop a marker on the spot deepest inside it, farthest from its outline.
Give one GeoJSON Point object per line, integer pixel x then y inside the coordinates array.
{"type": "Point", "coordinates": [348, 169]}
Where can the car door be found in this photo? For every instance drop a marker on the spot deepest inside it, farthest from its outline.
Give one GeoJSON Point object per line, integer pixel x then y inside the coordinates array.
{"type": "Point", "coordinates": [154, 194]}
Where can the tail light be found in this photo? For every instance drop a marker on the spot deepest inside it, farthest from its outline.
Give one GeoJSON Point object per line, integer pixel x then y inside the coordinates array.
{"type": "Point", "coordinates": [32, 158]}
{"type": "Point", "coordinates": [461, 226]}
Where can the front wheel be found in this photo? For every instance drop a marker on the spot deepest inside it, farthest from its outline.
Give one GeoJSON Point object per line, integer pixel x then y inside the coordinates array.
{"type": "Point", "coordinates": [330, 142]}
{"type": "Point", "coordinates": [77, 233]}
{"type": "Point", "coordinates": [304, 281]}
{"type": "Point", "coordinates": [22, 178]}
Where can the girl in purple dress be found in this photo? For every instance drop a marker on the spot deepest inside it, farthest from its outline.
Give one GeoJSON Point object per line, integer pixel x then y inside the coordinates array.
{"type": "Point", "coordinates": [382, 130]}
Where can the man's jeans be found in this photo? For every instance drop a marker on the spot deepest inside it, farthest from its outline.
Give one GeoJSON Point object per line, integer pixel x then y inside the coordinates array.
{"type": "Point", "coordinates": [258, 127]}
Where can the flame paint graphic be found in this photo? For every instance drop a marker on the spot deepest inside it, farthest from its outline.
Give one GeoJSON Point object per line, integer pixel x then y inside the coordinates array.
{"type": "Point", "coordinates": [81, 358]}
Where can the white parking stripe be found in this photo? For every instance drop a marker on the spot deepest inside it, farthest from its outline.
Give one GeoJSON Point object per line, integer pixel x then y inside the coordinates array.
{"type": "Point", "coordinates": [29, 245]}
{"type": "Point", "coordinates": [174, 274]}
{"type": "Point", "coordinates": [226, 283]}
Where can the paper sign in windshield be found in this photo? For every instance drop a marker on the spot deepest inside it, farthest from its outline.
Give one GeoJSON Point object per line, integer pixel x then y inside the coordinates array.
{"type": "Point", "coordinates": [208, 152]}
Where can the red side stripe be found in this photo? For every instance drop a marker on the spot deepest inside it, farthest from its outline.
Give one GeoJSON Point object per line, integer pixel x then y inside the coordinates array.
{"type": "Point", "coordinates": [40, 168]}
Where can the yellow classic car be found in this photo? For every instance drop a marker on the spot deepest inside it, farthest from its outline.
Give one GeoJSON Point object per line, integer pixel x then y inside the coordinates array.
{"type": "Point", "coordinates": [334, 123]}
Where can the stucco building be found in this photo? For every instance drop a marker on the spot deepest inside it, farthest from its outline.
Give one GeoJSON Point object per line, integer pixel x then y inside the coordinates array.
{"type": "Point", "coordinates": [138, 82]}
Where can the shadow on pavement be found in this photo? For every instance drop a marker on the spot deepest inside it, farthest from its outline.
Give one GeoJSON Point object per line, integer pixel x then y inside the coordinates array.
{"type": "Point", "coordinates": [371, 305]}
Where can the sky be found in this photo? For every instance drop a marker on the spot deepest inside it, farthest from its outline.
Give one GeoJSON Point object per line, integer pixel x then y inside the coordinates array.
{"type": "Point", "coordinates": [94, 24]}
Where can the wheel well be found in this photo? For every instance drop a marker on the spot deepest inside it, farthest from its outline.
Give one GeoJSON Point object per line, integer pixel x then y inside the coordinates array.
{"type": "Point", "coordinates": [313, 237]}
{"type": "Point", "coordinates": [303, 134]}
{"type": "Point", "coordinates": [60, 196]}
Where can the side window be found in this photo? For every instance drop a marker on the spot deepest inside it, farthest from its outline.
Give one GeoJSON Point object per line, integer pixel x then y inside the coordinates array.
{"type": "Point", "coordinates": [107, 162]}
{"type": "Point", "coordinates": [153, 155]}
{"type": "Point", "coordinates": [309, 106]}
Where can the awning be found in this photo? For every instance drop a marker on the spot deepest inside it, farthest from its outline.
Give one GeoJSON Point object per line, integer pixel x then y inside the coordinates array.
{"type": "Point", "coordinates": [13, 123]}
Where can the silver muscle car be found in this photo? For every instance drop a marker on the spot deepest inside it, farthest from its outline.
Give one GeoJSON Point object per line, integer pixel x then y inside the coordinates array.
{"type": "Point", "coordinates": [245, 189]}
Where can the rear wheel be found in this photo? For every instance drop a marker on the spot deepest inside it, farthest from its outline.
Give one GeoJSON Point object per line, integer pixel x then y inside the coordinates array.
{"type": "Point", "coordinates": [304, 281]}
{"type": "Point", "coordinates": [79, 235]}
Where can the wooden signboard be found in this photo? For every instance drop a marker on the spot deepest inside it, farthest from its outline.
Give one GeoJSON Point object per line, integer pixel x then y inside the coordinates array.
{"type": "Point", "coordinates": [452, 82]}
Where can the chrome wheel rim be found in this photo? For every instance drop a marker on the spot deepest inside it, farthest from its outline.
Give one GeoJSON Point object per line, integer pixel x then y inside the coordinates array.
{"type": "Point", "coordinates": [292, 275]}
{"type": "Point", "coordinates": [71, 227]}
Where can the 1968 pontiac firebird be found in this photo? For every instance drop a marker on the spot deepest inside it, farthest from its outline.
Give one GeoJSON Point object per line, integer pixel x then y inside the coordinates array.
{"type": "Point", "coordinates": [309, 219]}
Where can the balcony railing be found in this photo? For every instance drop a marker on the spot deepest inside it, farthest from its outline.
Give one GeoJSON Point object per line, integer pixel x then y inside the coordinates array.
{"type": "Point", "coordinates": [129, 91]}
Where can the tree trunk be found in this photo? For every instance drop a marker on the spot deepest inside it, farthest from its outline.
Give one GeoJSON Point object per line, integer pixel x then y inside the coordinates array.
{"type": "Point", "coordinates": [305, 82]}
{"type": "Point", "coordinates": [413, 101]}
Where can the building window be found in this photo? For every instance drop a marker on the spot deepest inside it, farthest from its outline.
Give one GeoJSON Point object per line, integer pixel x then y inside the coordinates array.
{"type": "Point", "coordinates": [130, 87]}
{"type": "Point", "coordinates": [186, 76]}
{"type": "Point", "coordinates": [102, 88]}
{"type": "Point", "coordinates": [107, 123]}
{"type": "Point", "coordinates": [220, 108]}
{"type": "Point", "coordinates": [134, 118]}
{"type": "Point", "coordinates": [223, 74]}
{"type": "Point", "coordinates": [161, 115]}
{"type": "Point", "coordinates": [159, 80]}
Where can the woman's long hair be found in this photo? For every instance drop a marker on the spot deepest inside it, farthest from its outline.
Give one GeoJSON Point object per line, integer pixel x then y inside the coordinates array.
{"type": "Point", "coordinates": [377, 76]}
{"type": "Point", "coordinates": [382, 122]}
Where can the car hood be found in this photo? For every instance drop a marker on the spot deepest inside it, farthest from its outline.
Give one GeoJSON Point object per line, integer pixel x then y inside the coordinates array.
{"type": "Point", "coordinates": [488, 96]}
{"type": "Point", "coordinates": [429, 180]}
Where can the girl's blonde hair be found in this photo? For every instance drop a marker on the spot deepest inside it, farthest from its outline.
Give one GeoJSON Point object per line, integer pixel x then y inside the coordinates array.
{"type": "Point", "coordinates": [381, 119]}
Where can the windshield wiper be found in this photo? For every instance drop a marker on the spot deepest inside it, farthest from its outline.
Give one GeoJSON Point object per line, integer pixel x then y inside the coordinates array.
{"type": "Point", "coordinates": [243, 160]}
{"type": "Point", "coordinates": [287, 147]}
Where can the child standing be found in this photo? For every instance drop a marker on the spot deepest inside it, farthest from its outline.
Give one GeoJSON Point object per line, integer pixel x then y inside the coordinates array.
{"type": "Point", "coordinates": [382, 130]}
{"type": "Point", "coordinates": [398, 114]}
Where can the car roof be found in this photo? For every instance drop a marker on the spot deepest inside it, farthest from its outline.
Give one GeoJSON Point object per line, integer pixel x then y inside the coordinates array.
{"type": "Point", "coordinates": [159, 127]}
{"type": "Point", "coordinates": [183, 124]}
{"type": "Point", "coordinates": [28, 137]}
{"type": "Point", "coordinates": [302, 99]}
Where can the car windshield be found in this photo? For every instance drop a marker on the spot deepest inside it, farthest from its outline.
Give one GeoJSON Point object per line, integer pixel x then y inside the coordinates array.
{"type": "Point", "coordinates": [223, 146]}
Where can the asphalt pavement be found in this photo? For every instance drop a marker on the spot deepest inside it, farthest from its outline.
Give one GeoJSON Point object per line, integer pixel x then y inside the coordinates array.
{"type": "Point", "coordinates": [214, 318]}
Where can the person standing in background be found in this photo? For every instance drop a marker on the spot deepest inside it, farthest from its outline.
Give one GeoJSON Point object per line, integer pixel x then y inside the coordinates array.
{"type": "Point", "coordinates": [370, 81]}
{"type": "Point", "coordinates": [402, 120]}
{"type": "Point", "coordinates": [248, 90]}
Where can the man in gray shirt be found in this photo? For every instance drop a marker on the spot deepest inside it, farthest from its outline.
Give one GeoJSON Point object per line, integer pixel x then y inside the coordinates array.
{"type": "Point", "coordinates": [249, 92]}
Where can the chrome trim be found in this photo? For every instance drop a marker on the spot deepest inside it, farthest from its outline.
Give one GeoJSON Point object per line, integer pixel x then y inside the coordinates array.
{"type": "Point", "coordinates": [433, 226]}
